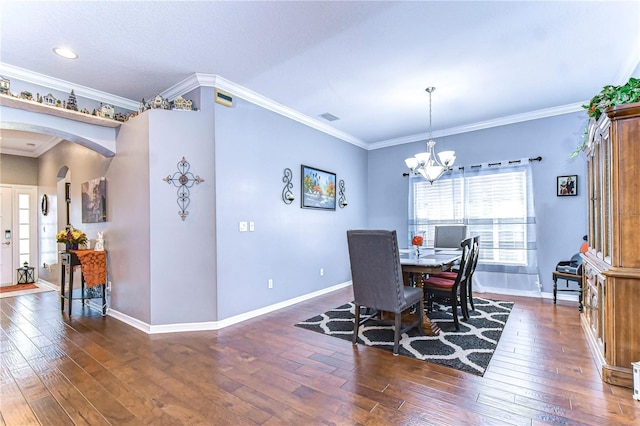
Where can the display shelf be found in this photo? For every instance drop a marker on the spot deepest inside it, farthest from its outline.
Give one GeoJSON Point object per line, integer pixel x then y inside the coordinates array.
{"type": "Point", "coordinates": [33, 106]}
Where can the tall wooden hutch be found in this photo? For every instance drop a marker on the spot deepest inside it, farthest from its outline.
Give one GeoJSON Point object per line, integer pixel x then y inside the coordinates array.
{"type": "Point", "coordinates": [611, 284]}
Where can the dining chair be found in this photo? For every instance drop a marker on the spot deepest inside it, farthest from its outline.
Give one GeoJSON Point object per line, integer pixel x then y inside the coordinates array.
{"type": "Point", "coordinates": [455, 291]}
{"type": "Point", "coordinates": [449, 236]}
{"type": "Point", "coordinates": [451, 275]}
{"type": "Point", "coordinates": [376, 275]}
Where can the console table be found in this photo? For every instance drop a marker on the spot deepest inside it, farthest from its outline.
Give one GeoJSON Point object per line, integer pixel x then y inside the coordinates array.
{"type": "Point", "coordinates": [93, 267]}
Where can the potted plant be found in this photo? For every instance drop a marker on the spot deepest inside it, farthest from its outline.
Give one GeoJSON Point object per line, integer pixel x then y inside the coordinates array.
{"type": "Point", "coordinates": [614, 95]}
{"type": "Point", "coordinates": [71, 238]}
{"type": "Point", "coordinates": [609, 96]}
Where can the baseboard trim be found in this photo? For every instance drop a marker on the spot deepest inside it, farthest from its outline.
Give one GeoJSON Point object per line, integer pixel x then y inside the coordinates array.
{"type": "Point", "coordinates": [217, 325]}
{"type": "Point", "coordinates": [48, 284]}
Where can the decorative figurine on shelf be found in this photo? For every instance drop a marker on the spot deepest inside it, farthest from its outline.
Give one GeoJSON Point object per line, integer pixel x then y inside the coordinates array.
{"type": "Point", "coordinates": [181, 103]}
{"type": "Point", "coordinates": [49, 100]}
{"type": "Point", "coordinates": [5, 85]}
{"type": "Point", "coordinates": [72, 102]}
{"type": "Point", "coordinates": [99, 242]}
{"type": "Point", "coordinates": [105, 111]}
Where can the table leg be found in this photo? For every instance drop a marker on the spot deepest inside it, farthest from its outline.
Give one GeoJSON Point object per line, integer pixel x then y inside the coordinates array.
{"type": "Point", "coordinates": [70, 287]}
{"type": "Point", "coordinates": [62, 284]}
{"type": "Point", "coordinates": [428, 327]}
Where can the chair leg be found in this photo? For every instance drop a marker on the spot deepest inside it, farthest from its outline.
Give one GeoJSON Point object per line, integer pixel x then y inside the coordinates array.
{"type": "Point", "coordinates": [356, 325]}
{"type": "Point", "coordinates": [470, 293]}
{"type": "Point", "coordinates": [396, 333]}
{"type": "Point", "coordinates": [454, 311]}
{"type": "Point", "coordinates": [463, 301]}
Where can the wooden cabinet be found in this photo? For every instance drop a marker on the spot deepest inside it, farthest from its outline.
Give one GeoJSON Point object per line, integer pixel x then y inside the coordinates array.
{"type": "Point", "coordinates": [611, 318]}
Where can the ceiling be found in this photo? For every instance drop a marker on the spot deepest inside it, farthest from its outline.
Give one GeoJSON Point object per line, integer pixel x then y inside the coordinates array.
{"type": "Point", "coordinates": [367, 63]}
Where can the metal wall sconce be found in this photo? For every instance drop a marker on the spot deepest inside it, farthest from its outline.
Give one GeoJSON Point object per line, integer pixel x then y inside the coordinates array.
{"type": "Point", "coordinates": [287, 195]}
{"type": "Point", "coordinates": [183, 179]}
{"type": "Point", "coordinates": [342, 202]}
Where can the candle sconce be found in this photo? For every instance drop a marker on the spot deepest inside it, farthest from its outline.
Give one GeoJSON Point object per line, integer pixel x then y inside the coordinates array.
{"type": "Point", "coordinates": [342, 202]}
{"type": "Point", "coordinates": [287, 195]}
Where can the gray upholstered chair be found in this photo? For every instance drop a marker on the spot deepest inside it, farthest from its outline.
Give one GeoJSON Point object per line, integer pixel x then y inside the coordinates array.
{"type": "Point", "coordinates": [449, 236]}
{"type": "Point", "coordinates": [376, 274]}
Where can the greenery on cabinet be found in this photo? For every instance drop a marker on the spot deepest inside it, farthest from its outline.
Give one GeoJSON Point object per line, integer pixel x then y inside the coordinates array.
{"type": "Point", "coordinates": [613, 95]}
{"type": "Point", "coordinates": [609, 96]}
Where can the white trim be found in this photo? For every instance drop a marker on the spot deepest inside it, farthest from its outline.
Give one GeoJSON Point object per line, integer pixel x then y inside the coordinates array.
{"type": "Point", "coordinates": [28, 76]}
{"type": "Point", "coordinates": [571, 297]}
{"type": "Point", "coordinates": [197, 80]}
{"type": "Point", "coordinates": [133, 322]}
{"type": "Point", "coordinates": [508, 292]}
{"type": "Point", "coordinates": [48, 284]}
{"type": "Point", "coordinates": [217, 325]}
{"type": "Point", "coordinates": [503, 121]}
{"type": "Point", "coordinates": [211, 80]}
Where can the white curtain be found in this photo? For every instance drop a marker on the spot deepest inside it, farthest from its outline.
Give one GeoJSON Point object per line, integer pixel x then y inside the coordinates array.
{"type": "Point", "coordinates": [495, 201]}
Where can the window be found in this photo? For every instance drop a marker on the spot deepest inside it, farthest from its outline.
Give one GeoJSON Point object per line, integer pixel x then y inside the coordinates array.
{"type": "Point", "coordinates": [24, 241]}
{"type": "Point", "coordinates": [495, 202]}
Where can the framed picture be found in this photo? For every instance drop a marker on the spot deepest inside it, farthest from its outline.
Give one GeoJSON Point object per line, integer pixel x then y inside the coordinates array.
{"type": "Point", "coordinates": [318, 189]}
{"type": "Point", "coordinates": [567, 185]}
{"type": "Point", "coordinates": [94, 201]}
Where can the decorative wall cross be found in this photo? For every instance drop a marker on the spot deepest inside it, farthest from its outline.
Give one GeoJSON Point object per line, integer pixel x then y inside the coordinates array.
{"type": "Point", "coordinates": [183, 179]}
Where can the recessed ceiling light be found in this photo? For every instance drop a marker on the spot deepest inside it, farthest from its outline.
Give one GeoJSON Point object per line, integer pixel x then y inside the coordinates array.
{"type": "Point", "coordinates": [65, 53]}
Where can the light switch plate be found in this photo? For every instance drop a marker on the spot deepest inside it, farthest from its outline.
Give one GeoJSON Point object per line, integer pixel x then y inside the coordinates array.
{"type": "Point", "coordinates": [252, 227]}
{"type": "Point", "coordinates": [243, 226]}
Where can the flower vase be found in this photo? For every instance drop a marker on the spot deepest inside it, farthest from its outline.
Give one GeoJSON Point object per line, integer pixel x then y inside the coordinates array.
{"type": "Point", "coordinates": [71, 246]}
{"type": "Point", "coordinates": [418, 251]}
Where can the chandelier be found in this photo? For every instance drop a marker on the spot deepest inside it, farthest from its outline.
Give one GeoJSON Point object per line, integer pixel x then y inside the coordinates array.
{"type": "Point", "coordinates": [427, 164]}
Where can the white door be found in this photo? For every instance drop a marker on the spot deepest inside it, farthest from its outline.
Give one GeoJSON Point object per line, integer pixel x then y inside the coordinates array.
{"type": "Point", "coordinates": [6, 221]}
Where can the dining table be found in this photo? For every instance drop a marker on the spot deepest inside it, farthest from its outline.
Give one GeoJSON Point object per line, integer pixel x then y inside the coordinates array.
{"type": "Point", "coordinates": [426, 262]}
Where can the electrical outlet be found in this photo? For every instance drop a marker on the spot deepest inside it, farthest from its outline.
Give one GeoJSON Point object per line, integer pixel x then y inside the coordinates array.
{"type": "Point", "coordinates": [252, 227]}
{"type": "Point", "coordinates": [108, 285]}
{"type": "Point", "coordinates": [243, 226]}
{"type": "Point", "coordinates": [270, 283]}
{"type": "Point", "coordinates": [321, 272]}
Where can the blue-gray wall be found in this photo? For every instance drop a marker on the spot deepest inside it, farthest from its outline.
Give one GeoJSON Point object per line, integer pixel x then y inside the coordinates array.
{"type": "Point", "coordinates": [290, 244]}
{"type": "Point", "coordinates": [156, 259]}
{"type": "Point", "coordinates": [561, 221]}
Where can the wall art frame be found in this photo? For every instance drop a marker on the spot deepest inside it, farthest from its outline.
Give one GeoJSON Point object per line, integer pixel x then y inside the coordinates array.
{"type": "Point", "coordinates": [94, 200]}
{"type": "Point", "coordinates": [567, 186]}
{"type": "Point", "coordinates": [318, 188]}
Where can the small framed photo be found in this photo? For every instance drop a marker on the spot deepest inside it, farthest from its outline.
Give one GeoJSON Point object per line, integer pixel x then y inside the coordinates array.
{"type": "Point", "coordinates": [318, 189]}
{"type": "Point", "coordinates": [567, 185]}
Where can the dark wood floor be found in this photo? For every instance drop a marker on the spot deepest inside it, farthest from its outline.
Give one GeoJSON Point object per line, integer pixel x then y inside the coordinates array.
{"type": "Point", "coordinates": [95, 371]}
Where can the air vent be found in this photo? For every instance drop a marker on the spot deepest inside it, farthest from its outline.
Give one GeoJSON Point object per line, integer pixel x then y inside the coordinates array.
{"type": "Point", "coordinates": [224, 98]}
{"type": "Point", "coordinates": [329, 117]}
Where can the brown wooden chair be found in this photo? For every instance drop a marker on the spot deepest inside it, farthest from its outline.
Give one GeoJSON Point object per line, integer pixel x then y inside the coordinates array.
{"type": "Point", "coordinates": [453, 290]}
{"type": "Point", "coordinates": [376, 274]}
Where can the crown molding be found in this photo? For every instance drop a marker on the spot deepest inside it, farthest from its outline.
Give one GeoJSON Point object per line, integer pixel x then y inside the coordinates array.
{"type": "Point", "coordinates": [503, 121]}
{"type": "Point", "coordinates": [64, 86]}
{"type": "Point", "coordinates": [211, 80]}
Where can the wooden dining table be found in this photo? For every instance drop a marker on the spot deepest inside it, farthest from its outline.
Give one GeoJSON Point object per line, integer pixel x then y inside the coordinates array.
{"type": "Point", "coordinates": [430, 261]}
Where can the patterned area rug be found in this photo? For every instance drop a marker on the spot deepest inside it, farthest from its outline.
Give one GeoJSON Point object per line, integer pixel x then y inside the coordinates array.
{"type": "Point", "coordinates": [469, 349]}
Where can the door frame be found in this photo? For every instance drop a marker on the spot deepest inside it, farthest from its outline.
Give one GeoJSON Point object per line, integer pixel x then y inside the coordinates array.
{"type": "Point", "coordinates": [32, 190]}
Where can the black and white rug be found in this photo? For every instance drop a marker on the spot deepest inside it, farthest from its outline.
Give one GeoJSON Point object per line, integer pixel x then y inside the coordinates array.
{"type": "Point", "coordinates": [469, 349]}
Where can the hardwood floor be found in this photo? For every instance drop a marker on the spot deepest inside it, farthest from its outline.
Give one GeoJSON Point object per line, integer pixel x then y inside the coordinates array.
{"type": "Point", "coordinates": [97, 371]}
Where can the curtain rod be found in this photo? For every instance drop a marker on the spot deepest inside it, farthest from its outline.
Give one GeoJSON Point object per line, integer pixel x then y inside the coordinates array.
{"type": "Point", "coordinates": [538, 158]}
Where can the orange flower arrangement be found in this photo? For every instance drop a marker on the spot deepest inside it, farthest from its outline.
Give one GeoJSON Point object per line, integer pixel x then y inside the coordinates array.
{"type": "Point", "coordinates": [417, 240]}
